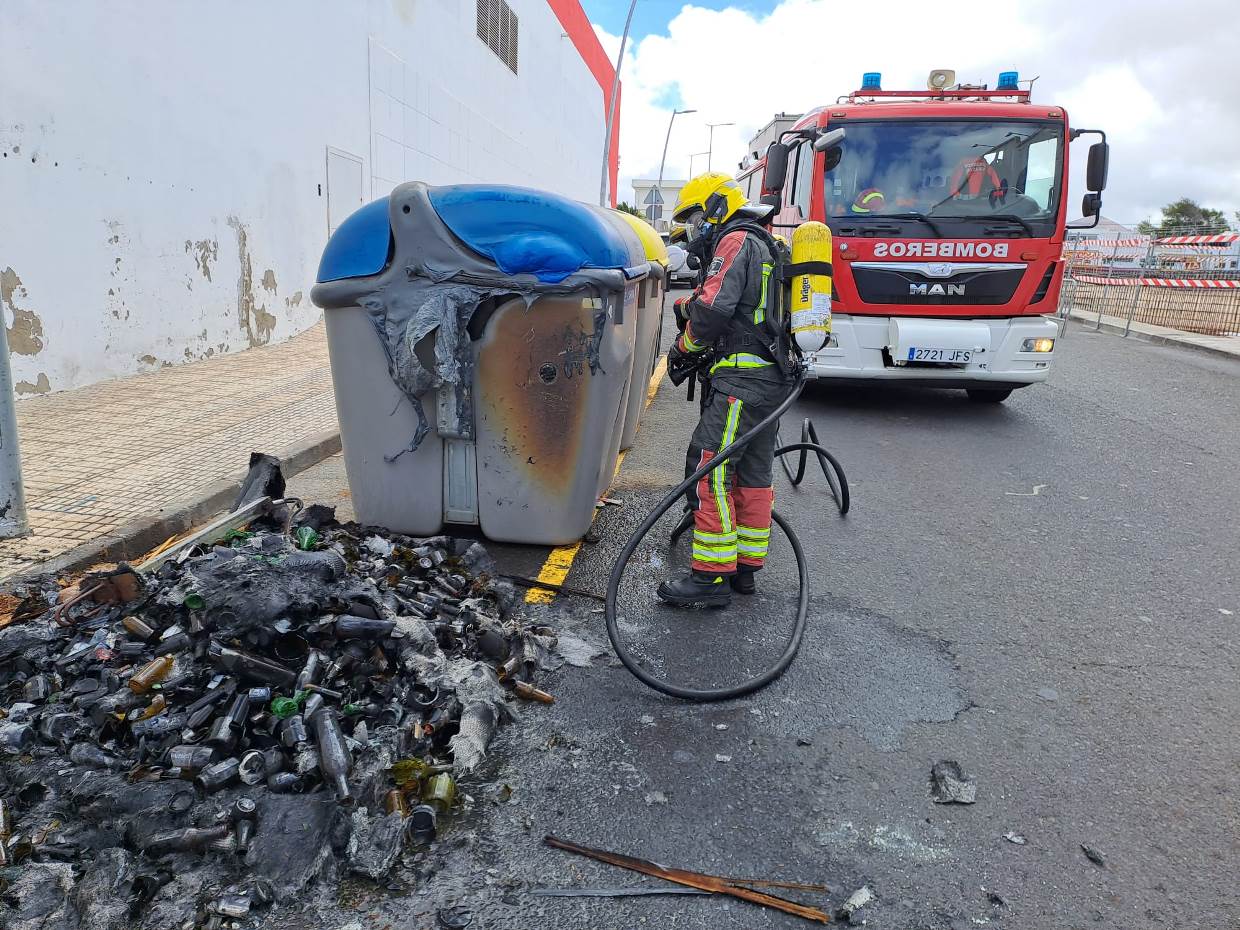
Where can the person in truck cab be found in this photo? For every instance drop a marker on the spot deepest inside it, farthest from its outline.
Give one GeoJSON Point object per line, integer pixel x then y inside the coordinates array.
{"type": "Point", "coordinates": [973, 178]}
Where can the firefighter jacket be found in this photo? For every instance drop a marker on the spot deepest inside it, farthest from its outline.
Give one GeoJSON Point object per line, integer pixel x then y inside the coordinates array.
{"type": "Point", "coordinates": [730, 305]}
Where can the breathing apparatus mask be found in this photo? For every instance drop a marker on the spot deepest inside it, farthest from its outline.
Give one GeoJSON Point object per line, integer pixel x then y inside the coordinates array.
{"type": "Point", "coordinates": [696, 227]}
{"type": "Point", "coordinates": [701, 224]}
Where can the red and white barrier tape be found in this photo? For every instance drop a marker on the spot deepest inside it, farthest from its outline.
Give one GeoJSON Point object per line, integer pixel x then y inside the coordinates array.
{"type": "Point", "coordinates": [1104, 255]}
{"type": "Point", "coordinates": [1218, 239]}
{"type": "Point", "coordinates": [1095, 244]}
{"type": "Point", "coordinates": [1163, 282]}
{"type": "Point", "coordinates": [1187, 248]}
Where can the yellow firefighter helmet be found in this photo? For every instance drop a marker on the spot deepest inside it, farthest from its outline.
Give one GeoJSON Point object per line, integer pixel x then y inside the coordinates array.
{"type": "Point", "coordinates": [718, 198]}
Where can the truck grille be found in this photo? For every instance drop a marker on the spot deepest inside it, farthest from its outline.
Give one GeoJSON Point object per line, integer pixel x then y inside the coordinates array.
{"type": "Point", "coordinates": [888, 285]}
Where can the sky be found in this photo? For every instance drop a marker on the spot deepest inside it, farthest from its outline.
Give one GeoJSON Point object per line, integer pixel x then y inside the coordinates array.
{"type": "Point", "coordinates": [1162, 78]}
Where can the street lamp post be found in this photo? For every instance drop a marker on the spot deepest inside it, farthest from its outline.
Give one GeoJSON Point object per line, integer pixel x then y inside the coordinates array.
{"type": "Point", "coordinates": [611, 107]}
{"type": "Point", "coordinates": [711, 147]}
{"type": "Point", "coordinates": [663, 160]}
{"type": "Point", "coordinates": [692, 156]}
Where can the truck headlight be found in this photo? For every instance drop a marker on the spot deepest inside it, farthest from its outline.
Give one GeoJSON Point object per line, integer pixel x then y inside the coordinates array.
{"type": "Point", "coordinates": [1041, 344]}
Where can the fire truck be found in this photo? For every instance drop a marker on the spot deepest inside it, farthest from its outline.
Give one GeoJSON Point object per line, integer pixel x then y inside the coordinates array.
{"type": "Point", "coordinates": [947, 210]}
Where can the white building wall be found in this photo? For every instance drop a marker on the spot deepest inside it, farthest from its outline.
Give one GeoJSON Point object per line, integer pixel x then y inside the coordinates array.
{"type": "Point", "coordinates": [670, 189]}
{"type": "Point", "coordinates": [164, 185]}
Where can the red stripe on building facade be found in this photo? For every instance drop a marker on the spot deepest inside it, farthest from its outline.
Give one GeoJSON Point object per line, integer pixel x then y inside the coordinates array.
{"type": "Point", "coordinates": [575, 22]}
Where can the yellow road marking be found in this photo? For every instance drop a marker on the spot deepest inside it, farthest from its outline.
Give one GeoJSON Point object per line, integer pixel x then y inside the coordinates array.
{"type": "Point", "coordinates": [554, 571]}
{"type": "Point", "coordinates": [656, 379]}
{"type": "Point", "coordinates": [560, 560]}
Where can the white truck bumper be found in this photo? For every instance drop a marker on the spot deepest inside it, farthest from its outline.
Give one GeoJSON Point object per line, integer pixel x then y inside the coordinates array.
{"type": "Point", "coordinates": [878, 348]}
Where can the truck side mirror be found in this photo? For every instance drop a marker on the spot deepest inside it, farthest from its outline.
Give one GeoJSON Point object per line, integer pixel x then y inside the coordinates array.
{"type": "Point", "coordinates": [1096, 167]}
{"type": "Point", "coordinates": [832, 143]}
{"type": "Point", "coordinates": [776, 171]}
{"type": "Point", "coordinates": [1091, 204]}
{"type": "Point", "coordinates": [829, 140]}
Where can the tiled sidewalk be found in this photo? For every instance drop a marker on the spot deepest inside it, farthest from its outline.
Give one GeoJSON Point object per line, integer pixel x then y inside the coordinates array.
{"type": "Point", "coordinates": [101, 457]}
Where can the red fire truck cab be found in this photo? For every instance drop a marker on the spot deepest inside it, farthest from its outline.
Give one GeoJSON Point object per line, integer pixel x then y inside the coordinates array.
{"type": "Point", "coordinates": [947, 209]}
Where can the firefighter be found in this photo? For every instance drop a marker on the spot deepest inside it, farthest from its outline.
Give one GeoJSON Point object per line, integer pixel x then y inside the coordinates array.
{"type": "Point", "coordinates": [975, 177]}
{"type": "Point", "coordinates": [726, 316]}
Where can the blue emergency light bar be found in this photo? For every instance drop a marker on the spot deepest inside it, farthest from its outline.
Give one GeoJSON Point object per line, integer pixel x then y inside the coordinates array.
{"type": "Point", "coordinates": [872, 80]}
{"type": "Point", "coordinates": [1008, 80]}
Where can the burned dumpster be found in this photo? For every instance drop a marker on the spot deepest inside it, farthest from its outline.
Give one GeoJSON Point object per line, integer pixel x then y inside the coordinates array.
{"type": "Point", "coordinates": [649, 323]}
{"type": "Point", "coordinates": [481, 341]}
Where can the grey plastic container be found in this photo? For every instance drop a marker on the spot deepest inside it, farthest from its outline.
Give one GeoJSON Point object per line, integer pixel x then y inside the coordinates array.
{"type": "Point", "coordinates": [548, 432]}
{"type": "Point", "coordinates": [645, 350]}
{"type": "Point", "coordinates": [405, 495]}
{"type": "Point", "coordinates": [525, 439]}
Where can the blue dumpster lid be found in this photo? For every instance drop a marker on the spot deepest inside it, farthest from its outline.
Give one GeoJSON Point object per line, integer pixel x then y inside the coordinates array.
{"type": "Point", "coordinates": [360, 246]}
{"type": "Point", "coordinates": [525, 231]}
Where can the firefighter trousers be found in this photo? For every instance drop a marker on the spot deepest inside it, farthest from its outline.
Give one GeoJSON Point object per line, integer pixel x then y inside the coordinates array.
{"type": "Point", "coordinates": [732, 504]}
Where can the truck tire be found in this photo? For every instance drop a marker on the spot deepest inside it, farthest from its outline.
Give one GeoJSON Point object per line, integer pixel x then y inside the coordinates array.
{"type": "Point", "coordinates": [988, 395]}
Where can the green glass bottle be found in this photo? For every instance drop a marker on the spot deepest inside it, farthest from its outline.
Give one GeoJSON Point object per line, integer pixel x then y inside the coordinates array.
{"type": "Point", "coordinates": [440, 792]}
{"type": "Point", "coordinates": [408, 772]}
{"type": "Point", "coordinates": [305, 537]}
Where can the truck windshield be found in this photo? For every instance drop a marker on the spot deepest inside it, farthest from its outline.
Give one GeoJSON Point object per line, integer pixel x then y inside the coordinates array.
{"type": "Point", "coordinates": [975, 174]}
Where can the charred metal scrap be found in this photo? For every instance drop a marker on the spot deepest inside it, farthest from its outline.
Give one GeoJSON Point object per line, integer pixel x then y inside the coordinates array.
{"type": "Point", "coordinates": [290, 702]}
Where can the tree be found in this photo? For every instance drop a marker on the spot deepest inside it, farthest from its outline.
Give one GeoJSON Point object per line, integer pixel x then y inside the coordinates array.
{"type": "Point", "coordinates": [1186, 217]}
{"type": "Point", "coordinates": [625, 207]}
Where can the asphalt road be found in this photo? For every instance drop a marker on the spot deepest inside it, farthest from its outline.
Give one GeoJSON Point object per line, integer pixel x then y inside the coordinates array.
{"type": "Point", "coordinates": [1047, 592]}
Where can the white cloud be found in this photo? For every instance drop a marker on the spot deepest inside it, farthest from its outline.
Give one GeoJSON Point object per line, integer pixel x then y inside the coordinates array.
{"type": "Point", "coordinates": [1159, 78]}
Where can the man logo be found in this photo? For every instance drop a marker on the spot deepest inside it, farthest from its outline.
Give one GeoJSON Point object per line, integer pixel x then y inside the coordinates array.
{"type": "Point", "coordinates": [936, 290]}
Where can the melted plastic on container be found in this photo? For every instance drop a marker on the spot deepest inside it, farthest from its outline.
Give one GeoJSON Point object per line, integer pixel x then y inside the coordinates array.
{"type": "Point", "coordinates": [527, 231]}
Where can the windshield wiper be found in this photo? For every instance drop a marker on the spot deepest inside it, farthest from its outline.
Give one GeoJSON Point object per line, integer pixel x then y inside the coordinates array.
{"type": "Point", "coordinates": [920, 217]}
{"type": "Point", "coordinates": [1011, 218]}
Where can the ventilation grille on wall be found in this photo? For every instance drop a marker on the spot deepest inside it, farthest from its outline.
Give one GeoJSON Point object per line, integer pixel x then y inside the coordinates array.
{"type": "Point", "coordinates": [498, 28]}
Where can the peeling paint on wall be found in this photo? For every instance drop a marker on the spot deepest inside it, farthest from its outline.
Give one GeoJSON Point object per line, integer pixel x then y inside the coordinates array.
{"type": "Point", "coordinates": [256, 322]}
{"type": "Point", "coordinates": [120, 273]}
{"type": "Point", "coordinates": [205, 251]}
{"type": "Point", "coordinates": [40, 386]}
{"type": "Point", "coordinates": [26, 333]}
{"type": "Point", "coordinates": [162, 209]}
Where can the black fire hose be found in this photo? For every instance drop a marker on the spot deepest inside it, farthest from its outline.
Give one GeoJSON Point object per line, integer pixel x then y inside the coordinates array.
{"type": "Point", "coordinates": [705, 695]}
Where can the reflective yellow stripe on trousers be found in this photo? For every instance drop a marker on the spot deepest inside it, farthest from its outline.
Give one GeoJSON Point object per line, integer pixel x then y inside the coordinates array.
{"type": "Point", "coordinates": [719, 484]}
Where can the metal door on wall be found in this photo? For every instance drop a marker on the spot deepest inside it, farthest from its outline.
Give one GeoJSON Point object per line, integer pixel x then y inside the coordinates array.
{"type": "Point", "coordinates": [344, 186]}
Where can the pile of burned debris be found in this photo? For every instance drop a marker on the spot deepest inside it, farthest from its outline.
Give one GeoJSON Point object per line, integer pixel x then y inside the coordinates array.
{"type": "Point", "coordinates": [275, 701]}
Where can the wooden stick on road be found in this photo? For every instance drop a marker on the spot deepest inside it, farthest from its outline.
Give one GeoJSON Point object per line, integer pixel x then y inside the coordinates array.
{"type": "Point", "coordinates": [698, 880]}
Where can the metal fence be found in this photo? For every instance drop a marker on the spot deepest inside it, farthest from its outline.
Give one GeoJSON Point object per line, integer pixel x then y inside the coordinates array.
{"type": "Point", "coordinates": [1191, 285]}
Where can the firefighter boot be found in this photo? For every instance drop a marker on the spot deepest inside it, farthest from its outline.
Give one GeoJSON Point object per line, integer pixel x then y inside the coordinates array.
{"type": "Point", "coordinates": [697, 589]}
{"type": "Point", "coordinates": [743, 581]}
